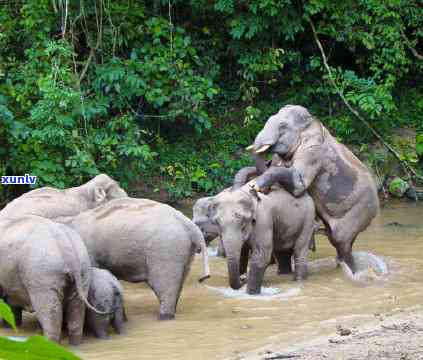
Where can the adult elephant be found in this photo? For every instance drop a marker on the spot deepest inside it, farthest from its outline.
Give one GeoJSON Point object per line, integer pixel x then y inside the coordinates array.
{"type": "Point", "coordinates": [59, 204]}
{"type": "Point", "coordinates": [141, 240]}
{"type": "Point", "coordinates": [202, 217]}
{"type": "Point", "coordinates": [277, 222]}
{"type": "Point", "coordinates": [45, 268]}
{"type": "Point", "coordinates": [312, 160]}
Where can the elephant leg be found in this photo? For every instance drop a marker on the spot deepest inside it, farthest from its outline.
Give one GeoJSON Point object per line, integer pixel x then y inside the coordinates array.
{"type": "Point", "coordinates": [302, 247]}
{"type": "Point", "coordinates": [243, 261]}
{"type": "Point", "coordinates": [75, 316]}
{"type": "Point", "coordinates": [167, 284]}
{"type": "Point", "coordinates": [344, 231]}
{"type": "Point", "coordinates": [255, 279]}
{"type": "Point", "coordinates": [118, 321]}
{"type": "Point", "coordinates": [98, 324]}
{"type": "Point", "coordinates": [220, 248]}
{"type": "Point", "coordinates": [260, 259]}
{"type": "Point", "coordinates": [284, 261]}
{"type": "Point", "coordinates": [49, 311]}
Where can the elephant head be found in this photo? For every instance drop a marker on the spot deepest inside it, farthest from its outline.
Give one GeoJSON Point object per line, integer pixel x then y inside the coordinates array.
{"type": "Point", "coordinates": [103, 188]}
{"type": "Point", "coordinates": [202, 218]}
{"type": "Point", "coordinates": [234, 214]}
{"type": "Point", "coordinates": [281, 134]}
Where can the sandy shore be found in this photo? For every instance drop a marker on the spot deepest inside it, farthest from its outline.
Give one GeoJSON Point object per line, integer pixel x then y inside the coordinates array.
{"type": "Point", "coordinates": [394, 335]}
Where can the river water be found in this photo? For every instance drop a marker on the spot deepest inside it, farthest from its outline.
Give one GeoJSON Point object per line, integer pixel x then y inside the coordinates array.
{"type": "Point", "coordinates": [210, 325]}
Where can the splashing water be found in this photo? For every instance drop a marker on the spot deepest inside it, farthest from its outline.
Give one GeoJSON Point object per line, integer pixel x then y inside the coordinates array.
{"type": "Point", "coordinates": [267, 293]}
{"type": "Point", "coordinates": [371, 269]}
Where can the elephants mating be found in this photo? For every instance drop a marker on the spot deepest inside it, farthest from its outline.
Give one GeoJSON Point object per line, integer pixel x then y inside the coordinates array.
{"type": "Point", "coordinates": [311, 160]}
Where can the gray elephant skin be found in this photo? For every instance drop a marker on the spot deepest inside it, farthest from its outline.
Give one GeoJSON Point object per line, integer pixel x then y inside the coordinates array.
{"type": "Point", "coordinates": [341, 186]}
{"type": "Point", "coordinates": [105, 294]}
{"type": "Point", "coordinates": [45, 268]}
{"type": "Point", "coordinates": [58, 204]}
{"type": "Point", "coordinates": [142, 240]}
{"type": "Point", "coordinates": [277, 222]}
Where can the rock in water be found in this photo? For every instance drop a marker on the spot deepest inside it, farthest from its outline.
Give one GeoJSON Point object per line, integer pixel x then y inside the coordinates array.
{"type": "Point", "coordinates": [398, 187]}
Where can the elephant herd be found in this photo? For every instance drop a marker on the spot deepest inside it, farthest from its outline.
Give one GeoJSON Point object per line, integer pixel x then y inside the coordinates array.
{"type": "Point", "coordinates": [63, 251]}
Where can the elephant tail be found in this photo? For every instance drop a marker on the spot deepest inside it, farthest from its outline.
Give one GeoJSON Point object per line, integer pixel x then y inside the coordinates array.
{"type": "Point", "coordinates": [198, 240]}
{"type": "Point", "coordinates": [73, 262]}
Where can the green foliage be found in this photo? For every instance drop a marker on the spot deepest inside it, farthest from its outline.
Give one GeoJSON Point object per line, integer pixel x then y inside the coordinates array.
{"type": "Point", "coordinates": [419, 145]}
{"type": "Point", "coordinates": [130, 87]}
{"type": "Point", "coordinates": [33, 348]}
{"type": "Point", "coordinates": [6, 314]}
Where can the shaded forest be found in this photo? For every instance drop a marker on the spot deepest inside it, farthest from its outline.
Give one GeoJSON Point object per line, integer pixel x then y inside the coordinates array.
{"type": "Point", "coordinates": [165, 95]}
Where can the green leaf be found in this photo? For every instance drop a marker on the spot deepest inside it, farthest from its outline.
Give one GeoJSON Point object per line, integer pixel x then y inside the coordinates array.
{"type": "Point", "coordinates": [7, 314]}
{"type": "Point", "coordinates": [34, 348]}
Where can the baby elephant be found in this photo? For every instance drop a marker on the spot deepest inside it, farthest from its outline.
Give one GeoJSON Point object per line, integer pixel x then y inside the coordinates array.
{"type": "Point", "coordinates": [105, 294]}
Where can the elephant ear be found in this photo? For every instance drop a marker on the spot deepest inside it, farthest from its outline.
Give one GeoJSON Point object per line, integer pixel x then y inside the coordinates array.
{"type": "Point", "coordinates": [99, 195]}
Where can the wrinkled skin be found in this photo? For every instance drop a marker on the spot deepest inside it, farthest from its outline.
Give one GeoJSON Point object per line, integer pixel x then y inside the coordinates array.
{"type": "Point", "coordinates": [142, 240]}
{"type": "Point", "coordinates": [277, 222]}
{"type": "Point", "coordinates": [105, 294]}
{"type": "Point", "coordinates": [341, 186]}
{"type": "Point", "coordinates": [44, 267]}
{"type": "Point", "coordinates": [58, 204]}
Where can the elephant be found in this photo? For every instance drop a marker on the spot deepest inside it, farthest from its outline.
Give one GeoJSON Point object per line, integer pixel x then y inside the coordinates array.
{"type": "Point", "coordinates": [341, 186]}
{"type": "Point", "coordinates": [58, 204]}
{"type": "Point", "coordinates": [45, 268]}
{"type": "Point", "coordinates": [140, 240]}
{"type": "Point", "coordinates": [276, 222]}
{"type": "Point", "coordinates": [106, 294]}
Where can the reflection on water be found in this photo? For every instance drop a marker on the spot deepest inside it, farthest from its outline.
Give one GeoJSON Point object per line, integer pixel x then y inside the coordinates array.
{"type": "Point", "coordinates": [210, 325]}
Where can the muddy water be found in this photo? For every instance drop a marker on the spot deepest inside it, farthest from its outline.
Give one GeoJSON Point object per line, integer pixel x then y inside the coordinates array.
{"type": "Point", "coordinates": [211, 326]}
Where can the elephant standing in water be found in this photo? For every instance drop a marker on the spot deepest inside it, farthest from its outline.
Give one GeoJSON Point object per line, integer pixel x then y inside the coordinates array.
{"type": "Point", "coordinates": [57, 205]}
{"type": "Point", "coordinates": [312, 160]}
{"type": "Point", "coordinates": [277, 222]}
{"type": "Point", "coordinates": [45, 268]}
{"type": "Point", "coordinates": [143, 240]}
{"type": "Point", "coordinates": [105, 294]}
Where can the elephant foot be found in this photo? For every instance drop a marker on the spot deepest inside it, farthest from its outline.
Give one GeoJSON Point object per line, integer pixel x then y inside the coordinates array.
{"type": "Point", "coordinates": [75, 340]}
{"type": "Point", "coordinates": [166, 316]}
{"type": "Point", "coordinates": [300, 276]}
{"type": "Point", "coordinates": [301, 272]}
{"type": "Point", "coordinates": [255, 279]}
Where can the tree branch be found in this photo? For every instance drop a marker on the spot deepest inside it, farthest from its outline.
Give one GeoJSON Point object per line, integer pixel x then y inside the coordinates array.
{"type": "Point", "coordinates": [408, 43]}
{"type": "Point", "coordinates": [406, 166]}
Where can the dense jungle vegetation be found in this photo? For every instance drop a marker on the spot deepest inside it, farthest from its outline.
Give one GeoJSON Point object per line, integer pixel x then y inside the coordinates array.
{"type": "Point", "coordinates": [165, 94]}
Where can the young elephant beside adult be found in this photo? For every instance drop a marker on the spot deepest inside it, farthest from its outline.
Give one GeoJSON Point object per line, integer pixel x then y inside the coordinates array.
{"type": "Point", "coordinates": [105, 294]}
{"type": "Point", "coordinates": [341, 186]}
{"type": "Point", "coordinates": [59, 204]}
{"type": "Point", "coordinates": [143, 240]}
{"type": "Point", "coordinates": [277, 222]}
{"type": "Point", "coordinates": [45, 268]}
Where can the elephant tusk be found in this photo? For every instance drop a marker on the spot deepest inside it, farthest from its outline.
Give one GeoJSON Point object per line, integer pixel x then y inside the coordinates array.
{"type": "Point", "coordinates": [263, 148]}
{"type": "Point", "coordinates": [251, 147]}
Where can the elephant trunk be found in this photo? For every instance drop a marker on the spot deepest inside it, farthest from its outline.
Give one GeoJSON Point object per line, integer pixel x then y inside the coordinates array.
{"type": "Point", "coordinates": [233, 254]}
{"type": "Point", "coordinates": [233, 270]}
{"type": "Point", "coordinates": [260, 160]}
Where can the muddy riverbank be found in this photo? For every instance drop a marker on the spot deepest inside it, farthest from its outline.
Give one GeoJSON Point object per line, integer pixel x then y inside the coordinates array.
{"type": "Point", "coordinates": [212, 325]}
